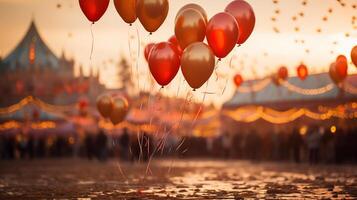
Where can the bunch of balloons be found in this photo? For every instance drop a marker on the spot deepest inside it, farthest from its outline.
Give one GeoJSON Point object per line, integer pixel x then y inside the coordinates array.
{"type": "Point", "coordinates": [338, 69]}
{"type": "Point", "coordinates": [151, 13]}
{"type": "Point", "coordinates": [115, 108]}
{"type": "Point", "coordinates": [186, 48]}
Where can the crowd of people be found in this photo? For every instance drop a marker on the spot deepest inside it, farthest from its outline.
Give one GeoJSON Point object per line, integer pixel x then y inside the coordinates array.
{"type": "Point", "coordinates": [317, 145]}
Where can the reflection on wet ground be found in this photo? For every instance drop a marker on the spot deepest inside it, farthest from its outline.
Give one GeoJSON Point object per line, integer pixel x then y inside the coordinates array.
{"type": "Point", "coordinates": [177, 179]}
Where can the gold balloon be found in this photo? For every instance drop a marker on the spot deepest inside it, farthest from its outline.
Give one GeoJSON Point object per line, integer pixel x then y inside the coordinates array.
{"type": "Point", "coordinates": [196, 7]}
{"type": "Point", "coordinates": [190, 27]}
{"type": "Point", "coordinates": [119, 111]}
{"type": "Point", "coordinates": [104, 105]}
{"type": "Point", "coordinates": [152, 13]}
{"type": "Point", "coordinates": [126, 9]}
{"type": "Point", "coordinates": [197, 64]}
{"type": "Point", "coordinates": [354, 55]}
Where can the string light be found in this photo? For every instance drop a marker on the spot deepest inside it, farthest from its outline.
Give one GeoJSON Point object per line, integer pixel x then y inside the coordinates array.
{"type": "Point", "coordinates": [254, 113]}
{"type": "Point", "coordinates": [309, 92]}
{"type": "Point", "coordinates": [256, 87]}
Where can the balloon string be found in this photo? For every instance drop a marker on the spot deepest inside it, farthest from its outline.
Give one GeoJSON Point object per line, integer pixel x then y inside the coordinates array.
{"type": "Point", "coordinates": [138, 55]}
{"type": "Point", "coordinates": [201, 106]}
{"type": "Point", "coordinates": [92, 48]}
{"type": "Point", "coordinates": [131, 59]}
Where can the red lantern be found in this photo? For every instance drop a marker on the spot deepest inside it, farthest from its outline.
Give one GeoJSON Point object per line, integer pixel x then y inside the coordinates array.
{"type": "Point", "coordinates": [341, 66]}
{"type": "Point", "coordinates": [283, 73]}
{"type": "Point", "coordinates": [93, 9]}
{"type": "Point", "coordinates": [238, 80]}
{"type": "Point", "coordinates": [302, 71]}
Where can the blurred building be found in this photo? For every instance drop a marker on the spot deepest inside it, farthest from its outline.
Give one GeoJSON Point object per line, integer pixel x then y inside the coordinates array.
{"type": "Point", "coordinates": [33, 69]}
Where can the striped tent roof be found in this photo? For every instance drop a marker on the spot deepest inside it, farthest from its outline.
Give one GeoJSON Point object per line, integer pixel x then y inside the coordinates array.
{"type": "Point", "coordinates": [43, 56]}
{"type": "Point", "coordinates": [279, 95]}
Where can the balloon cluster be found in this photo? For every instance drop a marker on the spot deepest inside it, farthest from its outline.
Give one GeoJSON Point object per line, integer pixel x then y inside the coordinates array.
{"type": "Point", "coordinates": [186, 48]}
{"type": "Point", "coordinates": [115, 108]}
{"type": "Point", "coordinates": [151, 13]}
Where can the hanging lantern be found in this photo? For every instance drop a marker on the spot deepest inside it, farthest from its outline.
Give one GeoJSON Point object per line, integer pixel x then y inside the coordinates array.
{"type": "Point", "coordinates": [238, 80]}
{"type": "Point", "coordinates": [302, 72]}
{"type": "Point", "coordinates": [283, 73]}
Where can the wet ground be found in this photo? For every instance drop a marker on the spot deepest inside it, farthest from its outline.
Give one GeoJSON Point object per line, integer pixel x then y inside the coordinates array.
{"type": "Point", "coordinates": [176, 179]}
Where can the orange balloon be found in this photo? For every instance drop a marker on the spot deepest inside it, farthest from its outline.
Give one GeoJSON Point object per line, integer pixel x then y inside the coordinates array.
{"type": "Point", "coordinates": [196, 7]}
{"type": "Point", "coordinates": [244, 14]}
{"type": "Point", "coordinates": [354, 55]}
{"type": "Point", "coordinates": [152, 13]}
{"type": "Point", "coordinates": [190, 27]}
{"type": "Point", "coordinates": [126, 9]}
{"type": "Point", "coordinates": [222, 34]}
{"type": "Point", "coordinates": [238, 80]}
{"type": "Point", "coordinates": [105, 105]}
{"type": "Point", "coordinates": [119, 110]}
{"type": "Point", "coordinates": [197, 64]}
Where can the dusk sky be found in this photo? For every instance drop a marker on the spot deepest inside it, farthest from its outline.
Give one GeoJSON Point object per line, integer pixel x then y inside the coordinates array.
{"type": "Point", "coordinates": [63, 26]}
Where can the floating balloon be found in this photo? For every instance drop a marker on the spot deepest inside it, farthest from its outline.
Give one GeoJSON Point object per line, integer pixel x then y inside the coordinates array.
{"type": "Point", "coordinates": [147, 50]}
{"type": "Point", "coordinates": [283, 73]}
{"type": "Point", "coordinates": [222, 34]}
{"type": "Point", "coordinates": [173, 40]}
{"type": "Point", "coordinates": [105, 105]}
{"type": "Point", "coordinates": [196, 7]}
{"type": "Point", "coordinates": [302, 71]}
{"type": "Point", "coordinates": [245, 17]}
{"type": "Point", "coordinates": [354, 55]}
{"type": "Point", "coordinates": [119, 110]}
{"type": "Point", "coordinates": [197, 64]}
{"type": "Point", "coordinates": [93, 9]}
{"type": "Point", "coordinates": [190, 27]}
{"type": "Point", "coordinates": [152, 13]}
{"type": "Point", "coordinates": [238, 80]}
{"type": "Point", "coordinates": [126, 9]}
{"type": "Point", "coordinates": [164, 62]}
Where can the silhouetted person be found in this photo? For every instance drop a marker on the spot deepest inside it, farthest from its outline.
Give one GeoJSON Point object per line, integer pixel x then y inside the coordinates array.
{"type": "Point", "coordinates": [101, 144]}
{"type": "Point", "coordinates": [89, 146]}
{"type": "Point", "coordinates": [313, 144]}
{"type": "Point", "coordinates": [147, 146]}
{"type": "Point", "coordinates": [124, 144]}
{"type": "Point", "coordinates": [41, 147]}
{"type": "Point", "coordinates": [31, 147]}
{"type": "Point", "coordinates": [296, 142]}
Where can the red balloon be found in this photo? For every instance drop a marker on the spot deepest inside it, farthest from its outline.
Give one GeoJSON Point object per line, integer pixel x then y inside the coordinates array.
{"type": "Point", "coordinates": [222, 34]}
{"type": "Point", "coordinates": [238, 80]}
{"type": "Point", "coordinates": [283, 73]}
{"type": "Point", "coordinates": [302, 71]}
{"type": "Point", "coordinates": [174, 41]}
{"type": "Point", "coordinates": [341, 66]}
{"type": "Point", "coordinates": [244, 14]}
{"type": "Point", "coordinates": [93, 9]}
{"type": "Point", "coordinates": [164, 62]}
{"type": "Point", "coordinates": [147, 50]}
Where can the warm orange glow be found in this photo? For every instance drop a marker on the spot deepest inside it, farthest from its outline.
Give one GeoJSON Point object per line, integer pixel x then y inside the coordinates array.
{"type": "Point", "coordinates": [32, 53]}
{"type": "Point", "coordinates": [333, 129]}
